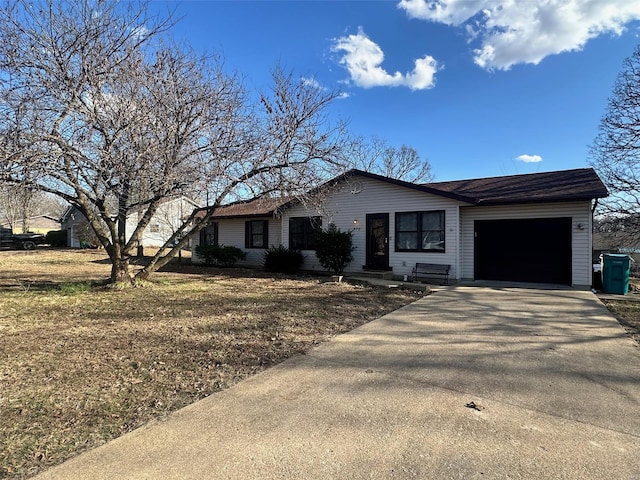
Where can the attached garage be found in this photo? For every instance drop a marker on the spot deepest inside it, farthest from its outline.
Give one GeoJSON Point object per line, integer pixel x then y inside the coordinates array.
{"type": "Point", "coordinates": [531, 228]}
{"type": "Point", "coordinates": [524, 250]}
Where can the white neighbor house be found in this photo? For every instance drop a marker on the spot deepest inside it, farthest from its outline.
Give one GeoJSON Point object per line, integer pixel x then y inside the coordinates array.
{"type": "Point", "coordinates": [166, 220]}
{"type": "Point", "coordinates": [523, 228]}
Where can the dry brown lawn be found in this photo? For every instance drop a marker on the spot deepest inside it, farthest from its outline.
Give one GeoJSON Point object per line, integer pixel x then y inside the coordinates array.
{"type": "Point", "coordinates": [82, 363]}
{"type": "Point", "coordinates": [628, 314]}
{"type": "Point", "coordinates": [627, 309]}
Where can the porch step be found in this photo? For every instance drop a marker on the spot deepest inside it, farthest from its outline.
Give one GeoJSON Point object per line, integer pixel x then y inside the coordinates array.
{"type": "Point", "coordinates": [384, 275]}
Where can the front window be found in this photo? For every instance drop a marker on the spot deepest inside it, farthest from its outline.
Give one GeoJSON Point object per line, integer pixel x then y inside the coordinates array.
{"type": "Point", "coordinates": [420, 231]}
{"type": "Point", "coordinates": [302, 232]}
{"type": "Point", "coordinates": [209, 234]}
{"type": "Point", "coordinates": [256, 234]}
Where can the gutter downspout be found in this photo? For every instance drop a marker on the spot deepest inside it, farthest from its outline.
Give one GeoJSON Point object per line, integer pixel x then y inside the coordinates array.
{"type": "Point", "coordinates": [458, 260]}
{"type": "Point", "coordinates": [593, 210]}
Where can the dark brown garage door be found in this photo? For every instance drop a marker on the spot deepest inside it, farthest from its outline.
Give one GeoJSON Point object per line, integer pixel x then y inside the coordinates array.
{"type": "Point", "coordinates": [531, 250]}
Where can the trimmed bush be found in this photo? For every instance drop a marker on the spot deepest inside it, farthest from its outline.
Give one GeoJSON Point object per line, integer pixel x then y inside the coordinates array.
{"type": "Point", "coordinates": [334, 249]}
{"type": "Point", "coordinates": [282, 260]}
{"type": "Point", "coordinates": [220, 255]}
{"type": "Point", "coordinates": [56, 238]}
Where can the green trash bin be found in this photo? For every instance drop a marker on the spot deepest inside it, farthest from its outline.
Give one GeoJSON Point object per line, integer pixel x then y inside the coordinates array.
{"type": "Point", "coordinates": [615, 273]}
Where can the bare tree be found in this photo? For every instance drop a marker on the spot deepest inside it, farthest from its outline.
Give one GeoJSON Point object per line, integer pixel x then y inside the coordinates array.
{"type": "Point", "coordinates": [51, 205]}
{"type": "Point", "coordinates": [15, 203]}
{"type": "Point", "coordinates": [377, 156]}
{"type": "Point", "coordinates": [100, 109]}
{"type": "Point", "coordinates": [18, 204]}
{"type": "Point", "coordinates": [615, 153]}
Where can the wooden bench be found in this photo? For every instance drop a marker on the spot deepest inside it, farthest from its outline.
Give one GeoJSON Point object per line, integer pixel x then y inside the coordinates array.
{"type": "Point", "coordinates": [429, 269]}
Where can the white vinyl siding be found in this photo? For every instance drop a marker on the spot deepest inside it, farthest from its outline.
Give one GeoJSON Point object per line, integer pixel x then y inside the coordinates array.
{"type": "Point", "coordinates": [231, 233]}
{"type": "Point", "coordinates": [343, 208]}
{"type": "Point", "coordinates": [579, 212]}
{"type": "Point", "coordinates": [167, 219]}
{"type": "Point", "coordinates": [348, 205]}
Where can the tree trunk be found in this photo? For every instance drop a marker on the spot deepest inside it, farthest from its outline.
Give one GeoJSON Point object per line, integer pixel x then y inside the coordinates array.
{"type": "Point", "coordinates": [120, 272]}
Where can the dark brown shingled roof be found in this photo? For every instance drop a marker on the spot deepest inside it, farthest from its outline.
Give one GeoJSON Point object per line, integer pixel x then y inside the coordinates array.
{"type": "Point", "coordinates": [562, 186]}
{"type": "Point", "coordinates": [261, 207]}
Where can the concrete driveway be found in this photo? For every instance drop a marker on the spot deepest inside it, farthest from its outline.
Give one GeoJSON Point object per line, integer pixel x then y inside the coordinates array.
{"type": "Point", "coordinates": [554, 380]}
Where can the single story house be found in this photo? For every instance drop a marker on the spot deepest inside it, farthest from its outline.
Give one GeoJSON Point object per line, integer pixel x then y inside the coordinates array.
{"type": "Point", "coordinates": [167, 219]}
{"type": "Point", "coordinates": [519, 228]}
{"type": "Point", "coordinates": [618, 243]}
{"type": "Point", "coordinates": [37, 224]}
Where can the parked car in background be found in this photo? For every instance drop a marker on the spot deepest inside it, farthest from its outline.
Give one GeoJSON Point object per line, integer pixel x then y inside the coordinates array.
{"type": "Point", "coordinates": [26, 241]}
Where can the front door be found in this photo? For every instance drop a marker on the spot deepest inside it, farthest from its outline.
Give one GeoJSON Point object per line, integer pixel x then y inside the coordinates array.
{"type": "Point", "coordinates": [377, 241]}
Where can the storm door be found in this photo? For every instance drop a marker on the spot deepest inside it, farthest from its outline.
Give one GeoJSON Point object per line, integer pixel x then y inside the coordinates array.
{"type": "Point", "coordinates": [377, 241]}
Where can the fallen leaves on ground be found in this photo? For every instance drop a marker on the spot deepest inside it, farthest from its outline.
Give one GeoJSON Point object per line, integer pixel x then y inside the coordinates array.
{"type": "Point", "coordinates": [81, 363]}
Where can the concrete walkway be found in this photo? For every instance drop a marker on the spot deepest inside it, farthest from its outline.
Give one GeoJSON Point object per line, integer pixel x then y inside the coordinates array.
{"type": "Point", "coordinates": [467, 383]}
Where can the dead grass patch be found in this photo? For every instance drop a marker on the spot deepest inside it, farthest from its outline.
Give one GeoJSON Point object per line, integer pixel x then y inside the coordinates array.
{"type": "Point", "coordinates": [81, 363]}
{"type": "Point", "coordinates": [627, 309]}
{"type": "Point", "coordinates": [627, 312]}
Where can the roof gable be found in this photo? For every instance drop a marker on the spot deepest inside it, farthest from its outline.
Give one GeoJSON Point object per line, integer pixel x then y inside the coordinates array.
{"type": "Point", "coordinates": [559, 186]}
{"type": "Point", "coordinates": [266, 207]}
{"type": "Point", "coordinates": [426, 188]}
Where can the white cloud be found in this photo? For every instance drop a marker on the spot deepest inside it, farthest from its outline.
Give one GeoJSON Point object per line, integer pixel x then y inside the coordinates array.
{"type": "Point", "coordinates": [450, 12]}
{"type": "Point", "coordinates": [312, 82]}
{"type": "Point", "coordinates": [363, 58]}
{"type": "Point", "coordinates": [141, 32]}
{"type": "Point", "coordinates": [514, 31]}
{"type": "Point", "coordinates": [529, 158]}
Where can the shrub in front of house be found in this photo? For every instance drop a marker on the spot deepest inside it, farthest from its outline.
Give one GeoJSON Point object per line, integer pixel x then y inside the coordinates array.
{"type": "Point", "coordinates": [56, 238]}
{"type": "Point", "coordinates": [282, 260]}
{"type": "Point", "coordinates": [220, 255]}
{"type": "Point", "coordinates": [334, 249]}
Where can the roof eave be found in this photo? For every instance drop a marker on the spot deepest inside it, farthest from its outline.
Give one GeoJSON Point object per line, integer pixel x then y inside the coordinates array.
{"type": "Point", "coordinates": [269, 213]}
{"type": "Point", "coordinates": [245, 215]}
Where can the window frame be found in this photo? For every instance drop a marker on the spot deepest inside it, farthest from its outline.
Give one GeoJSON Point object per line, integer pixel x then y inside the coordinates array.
{"type": "Point", "coordinates": [205, 234]}
{"type": "Point", "coordinates": [310, 226]}
{"type": "Point", "coordinates": [420, 232]}
{"type": "Point", "coordinates": [250, 235]}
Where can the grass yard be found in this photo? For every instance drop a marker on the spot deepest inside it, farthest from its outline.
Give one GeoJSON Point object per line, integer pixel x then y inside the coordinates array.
{"type": "Point", "coordinates": [628, 314]}
{"type": "Point", "coordinates": [627, 309]}
{"type": "Point", "coordinates": [81, 363]}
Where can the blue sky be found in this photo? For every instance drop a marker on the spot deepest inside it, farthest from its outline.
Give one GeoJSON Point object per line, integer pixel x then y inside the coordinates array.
{"type": "Point", "coordinates": [480, 83]}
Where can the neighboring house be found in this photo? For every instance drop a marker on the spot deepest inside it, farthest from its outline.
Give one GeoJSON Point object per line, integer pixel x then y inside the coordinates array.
{"type": "Point", "coordinates": [523, 228]}
{"type": "Point", "coordinates": [167, 219]}
{"type": "Point", "coordinates": [617, 242]}
{"type": "Point", "coordinates": [38, 224]}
